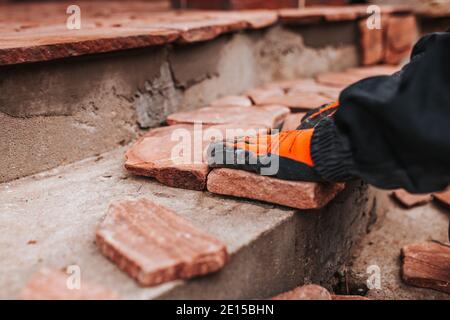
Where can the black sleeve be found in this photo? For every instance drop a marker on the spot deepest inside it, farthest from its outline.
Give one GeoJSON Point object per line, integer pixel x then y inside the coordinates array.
{"type": "Point", "coordinates": [397, 128]}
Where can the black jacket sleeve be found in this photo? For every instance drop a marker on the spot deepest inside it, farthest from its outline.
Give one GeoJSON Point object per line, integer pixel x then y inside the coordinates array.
{"type": "Point", "coordinates": [395, 130]}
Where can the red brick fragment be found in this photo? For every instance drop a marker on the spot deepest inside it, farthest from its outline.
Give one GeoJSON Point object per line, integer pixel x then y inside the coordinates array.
{"type": "Point", "coordinates": [51, 284]}
{"type": "Point", "coordinates": [371, 43]}
{"type": "Point", "coordinates": [411, 200]}
{"type": "Point", "coordinates": [427, 265]}
{"type": "Point", "coordinates": [308, 292]}
{"type": "Point", "coordinates": [265, 116]}
{"type": "Point", "coordinates": [176, 155]}
{"type": "Point", "coordinates": [299, 195]}
{"type": "Point", "coordinates": [237, 101]}
{"type": "Point", "coordinates": [443, 198]}
{"type": "Point", "coordinates": [154, 245]}
{"type": "Point", "coordinates": [292, 121]}
{"type": "Point", "coordinates": [401, 35]}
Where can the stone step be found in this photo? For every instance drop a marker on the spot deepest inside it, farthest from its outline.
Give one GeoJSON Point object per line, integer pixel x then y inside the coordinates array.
{"type": "Point", "coordinates": [49, 220]}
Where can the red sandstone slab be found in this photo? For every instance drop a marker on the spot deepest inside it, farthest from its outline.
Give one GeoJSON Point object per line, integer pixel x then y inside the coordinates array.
{"type": "Point", "coordinates": [292, 121]}
{"type": "Point", "coordinates": [400, 36]}
{"type": "Point", "coordinates": [51, 284]}
{"type": "Point", "coordinates": [254, 19]}
{"type": "Point", "coordinates": [347, 298]}
{"type": "Point", "coordinates": [308, 292]}
{"type": "Point", "coordinates": [154, 245]}
{"type": "Point", "coordinates": [371, 43]}
{"type": "Point", "coordinates": [443, 198]}
{"type": "Point", "coordinates": [427, 265]}
{"type": "Point", "coordinates": [299, 195]}
{"type": "Point", "coordinates": [176, 155]}
{"type": "Point", "coordinates": [237, 101]}
{"type": "Point", "coordinates": [411, 200]}
{"type": "Point", "coordinates": [311, 86]}
{"type": "Point", "coordinates": [378, 70]}
{"type": "Point", "coordinates": [261, 117]}
{"type": "Point", "coordinates": [338, 79]}
{"type": "Point", "coordinates": [321, 14]}
{"type": "Point", "coordinates": [261, 95]}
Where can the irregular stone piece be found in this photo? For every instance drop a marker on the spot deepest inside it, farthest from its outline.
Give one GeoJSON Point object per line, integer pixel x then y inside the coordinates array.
{"type": "Point", "coordinates": [260, 96]}
{"type": "Point", "coordinates": [299, 195]}
{"type": "Point", "coordinates": [443, 198]}
{"type": "Point", "coordinates": [176, 155]}
{"type": "Point", "coordinates": [297, 100]}
{"type": "Point", "coordinates": [265, 116]}
{"type": "Point", "coordinates": [51, 284]}
{"type": "Point", "coordinates": [371, 43]}
{"type": "Point", "coordinates": [411, 200]}
{"type": "Point", "coordinates": [292, 121]}
{"type": "Point", "coordinates": [347, 298]}
{"type": "Point", "coordinates": [308, 292]}
{"type": "Point", "coordinates": [427, 265]}
{"type": "Point", "coordinates": [401, 35]}
{"type": "Point", "coordinates": [154, 245]}
{"type": "Point", "coordinates": [379, 70]}
{"type": "Point", "coordinates": [306, 86]}
{"type": "Point", "coordinates": [237, 101]}
{"type": "Point", "coordinates": [338, 79]}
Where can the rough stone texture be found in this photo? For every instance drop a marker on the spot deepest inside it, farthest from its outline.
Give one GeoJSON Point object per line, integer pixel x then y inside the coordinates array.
{"type": "Point", "coordinates": [154, 245]}
{"type": "Point", "coordinates": [443, 198]}
{"type": "Point", "coordinates": [176, 155]}
{"type": "Point", "coordinates": [316, 15]}
{"type": "Point", "coordinates": [299, 195]}
{"type": "Point", "coordinates": [427, 265]}
{"type": "Point", "coordinates": [294, 100]}
{"type": "Point", "coordinates": [308, 292]}
{"type": "Point", "coordinates": [378, 70]}
{"type": "Point", "coordinates": [401, 35]}
{"type": "Point", "coordinates": [238, 101]}
{"type": "Point", "coordinates": [371, 43]}
{"type": "Point", "coordinates": [263, 116]}
{"type": "Point", "coordinates": [67, 204]}
{"type": "Point", "coordinates": [307, 86]}
{"type": "Point", "coordinates": [410, 200]}
{"type": "Point", "coordinates": [347, 298]}
{"type": "Point", "coordinates": [261, 95]}
{"type": "Point", "coordinates": [381, 247]}
{"type": "Point", "coordinates": [292, 121]}
{"type": "Point", "coordinates": [338, 79]}
{"type": "Point", "coordinates": [50, 284]}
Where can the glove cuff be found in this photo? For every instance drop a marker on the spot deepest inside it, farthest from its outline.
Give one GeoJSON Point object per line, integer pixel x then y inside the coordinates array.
{"type": "Point", "coordinates": [331, 153]}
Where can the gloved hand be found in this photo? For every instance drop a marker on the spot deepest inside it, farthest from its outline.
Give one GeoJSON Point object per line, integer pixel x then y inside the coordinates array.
{"type": "Point", "coordinates": [314, 152]}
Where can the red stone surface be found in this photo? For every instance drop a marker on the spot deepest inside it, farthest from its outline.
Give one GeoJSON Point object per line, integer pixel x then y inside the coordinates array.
{"type": "Point", "coordinates": [348, 298]}
{"type": "Point", "coordinates": [401, 35]}
{"type": "Point", "coordinates": [264, 116]}
{"type": "Point", "coordinates": [308, 292]}
{"type": "Point", "coordinates": [237, 101]}
{"type": "Point", "coordinates": [338, 79]}
{"type": "Point", "coordinates": [311, 86]}
{"type": "Point", "coordinates": [51, 284]}
{"type": "Point", "coordinates": [378, 70]}
{"type": "Point", "coordinates": [299, 195]}
{"type": "Point", "coordinates": [371, 43]}
{"type": "Point", "coordinates": [410, 200]}
{"type": "Point", "coordinates": [322, 14]}
{"type": "Point", "coordinates": [292, 121]}
{"type": "Point", "coordinates": [260, 96]}
{"type": "Point", "coordinates": [176, 155]}
{"type": "Point", "coordinates": [153, 245]}
{"type": "Point", "coordinates": [427, 265]}
{"type": "Point", "coordinates": [443, 198]}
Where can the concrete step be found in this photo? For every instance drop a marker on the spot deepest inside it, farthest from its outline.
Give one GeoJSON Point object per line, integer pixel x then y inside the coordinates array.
{"type": "Point", "coordinates": [49, 220]}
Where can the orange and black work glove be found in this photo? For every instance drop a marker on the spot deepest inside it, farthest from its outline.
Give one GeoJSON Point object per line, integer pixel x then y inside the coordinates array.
{"type": "Point", "coordinates": [313, 117]}
{"type": "Point", "coordinates": [315, 154]}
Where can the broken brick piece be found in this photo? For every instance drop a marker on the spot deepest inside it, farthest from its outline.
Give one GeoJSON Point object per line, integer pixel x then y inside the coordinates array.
{"type": "Point", "coordinates": [238, 101]}
{"type": "Point", "coordinates": [52, 284]}
{"type": "Point", "coordinates": [427, 265]}
{"type": "Point", "coordinates": [410, 200]}
{"type": "Point", "coordinates": [264, 117]}
{"type": "Point", "coordinates": [292, 121]}
{"type": "Point", "coordinates": [308, 292]}
{"type": "Point", "coordinates": [400, 36]}
{"type": "Point", "coordinates": [348, 298]}
{"type": "Point", "coordinates": [371, 43]}
{"type": "Point", "coordinates": [176, 155]}
{"type": "Point", "coordinates": [154, 245]}
{"type": "Point", "coordinates": [443, 198]}
{"type": "Point", "coordinates": [299, 195]}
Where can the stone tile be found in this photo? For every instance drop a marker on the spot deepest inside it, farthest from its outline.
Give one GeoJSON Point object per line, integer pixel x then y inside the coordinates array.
{"type": "Point", "coordinates": [427, 265]}
{"type": "Point", "coordinates": [339, 80]}
{"type": "Point", "coordinates": [260, 96]}
{"type": "Point", "coordinates": [411, 200]}
{"type": "Point", "coordinates": [378, 70]}
{"type": "Point", "coordinates": [176, 155]}
{"type": "Point", "coordinates": [51, 284]}
{"type": "Point", "coordinates": [154, 245]}
{"type": "Point", "coordinates": [237, 101]}
{"type": "Point", "coordinates": [311, 86]}
{"type": "Point", "coordinates": [292, 121]}
{"type": "Point", "coordinates": [347, 298]}
{"type": "Point", "coordinates": [308, 292]}
{"type": "Point", "coordinates": [371, 43]}
{"type": "Point", "coordinates": [400, 36]}
{"type": "Point", "coordinates": [299, 195]}
{"type": "Point", "coordinates": [264, 116]}
{"type": "Point", "coordinates": [322, 14]}
{"type": "Point", "coordinates": [443, 198]}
